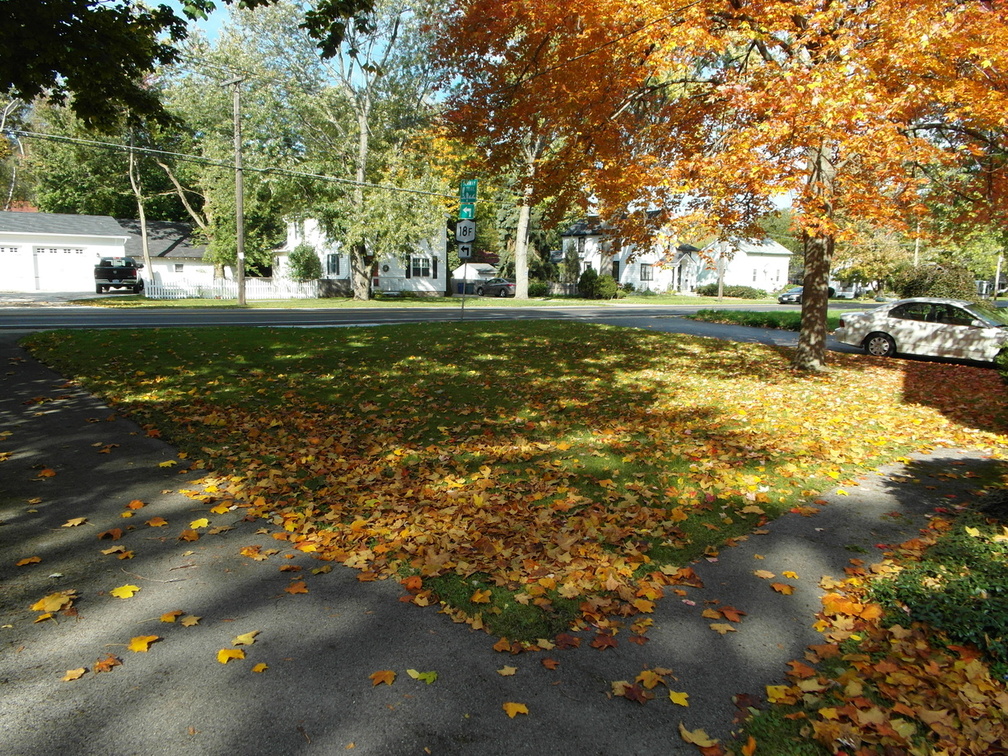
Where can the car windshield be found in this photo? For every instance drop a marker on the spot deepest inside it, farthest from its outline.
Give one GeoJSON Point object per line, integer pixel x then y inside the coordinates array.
{"type": "Point", "coordinates": [994, 316]}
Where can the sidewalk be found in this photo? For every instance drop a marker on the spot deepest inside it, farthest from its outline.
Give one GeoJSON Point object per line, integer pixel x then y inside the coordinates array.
{"type": "Point", "coordinates": [322, 646]}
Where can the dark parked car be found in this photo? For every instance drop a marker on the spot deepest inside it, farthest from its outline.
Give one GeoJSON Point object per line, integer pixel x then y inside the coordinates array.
{"type": "Point", "coordinates": [496, 287]}
{"type": "Point", "coordinates": [791, 296]}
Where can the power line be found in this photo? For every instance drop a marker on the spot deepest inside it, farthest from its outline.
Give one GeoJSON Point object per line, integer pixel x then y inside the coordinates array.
{"type": "Point", "coordinates": [220, 163]}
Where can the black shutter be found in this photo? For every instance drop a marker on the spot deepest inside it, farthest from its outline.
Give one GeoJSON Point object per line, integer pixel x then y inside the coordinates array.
{"type": "Point", "coordinates": [409, 266]}
{"type": "Point", "coordinates": [435, 268]}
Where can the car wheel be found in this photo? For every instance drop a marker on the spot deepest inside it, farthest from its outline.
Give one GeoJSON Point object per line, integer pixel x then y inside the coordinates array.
{"type": "Point", "coordinates": [479, 292]}
{"type": "Point", "coordinates": [880, 345]}
{"type": "Point", "coordinates": [501, 293]}
{"type": "Point", "coordinates": [97, 289]}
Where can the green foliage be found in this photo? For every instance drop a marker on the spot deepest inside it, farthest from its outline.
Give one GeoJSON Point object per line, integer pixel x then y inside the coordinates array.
{"type": "Point", "coordinates": [538, 288]}
{"type": "Point", "coordinates": [786, 321]}
{"type": "Point", "coordinates": [606, 287]}
{"type": "Point", "coordinates": [933, 280]}
{"type": "Point", "coordinates": [738, 292]}
{"type": "Point", "coordinates": [588, 284]}
{"type": "Point", "coordinates": [304, 263]}
{"type": "Point", "coordinates": [959, 586]}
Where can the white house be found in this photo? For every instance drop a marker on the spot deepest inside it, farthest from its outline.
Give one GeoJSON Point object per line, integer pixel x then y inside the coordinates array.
{"type": "Point", "coordinates": [681, 268]}
{"type": "Point", "coordinates": [423, 272]}
{"type": "Point", "coordinates": [54, 252]}
{"type": "Point", "coordinates": [174, 257]}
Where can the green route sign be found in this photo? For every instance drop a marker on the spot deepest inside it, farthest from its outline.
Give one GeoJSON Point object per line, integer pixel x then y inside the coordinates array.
{"type": "Point", "coordinates": [467, 191]}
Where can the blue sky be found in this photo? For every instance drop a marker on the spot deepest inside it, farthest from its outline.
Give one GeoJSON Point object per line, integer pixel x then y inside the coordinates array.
{"type": "Point", "coordinates": [211, 26]}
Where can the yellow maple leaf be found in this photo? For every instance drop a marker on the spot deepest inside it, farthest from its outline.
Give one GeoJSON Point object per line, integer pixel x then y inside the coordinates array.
{"type": "Point", "coordinates": [227, 654]}
{"type": "Point", "coordinates": [125, 514]}
{"type": "Point", "coordinates": [649, 678]}
{"type": "Point", "coordinates": [171, 616]}
{"type": "Point", "coordinates": [260, 667]}
{"type": "Point", "coordinates": [481, 597]}
{"type": "Point", "coordinates": [386, 676]}
{"type": "Point", "coordinates": [125, 591]}
{"type": "Point", "coordinates": [783, 588]}
{"type": "Point", "coordinates": [74, 522]}
{"type": "Point", "coordinates": [680, 699]}
{"type": "Point", "coordinates": [74, 674]}
{"type": "Point", "coordinates": [202, 522]}
{"type": "Point", "coordinates": [245, 639]}
{"type": "Point", "coordinates": [722, 628]}
{"type": "Point", "coordinates": [142, 643]}
{"type": "Point", "coordinates": [696, 737]}
{"type": "Point", "coordinates": [513, 709]}
{"type": "Point", "coordinates": [190, 621]}
{"type": "Point", "coordinates": [54, 602]}
{"type": "Point", "coordinates": [507, 671]}
{"type": "Point", "coordinates": [220, 509]}
{"type": "Point", "coordinates": [644, 606]}
{"type": "Point", "coordinates": [789, 574]}
{"type": "Point", "coordinates": [167, 463]}
{"type": "Point", "coordinates": [44, 617]}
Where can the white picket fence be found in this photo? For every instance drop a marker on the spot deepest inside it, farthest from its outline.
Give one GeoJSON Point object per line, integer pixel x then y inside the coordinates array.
{"type": "Point", "coordinates": [255, 288]}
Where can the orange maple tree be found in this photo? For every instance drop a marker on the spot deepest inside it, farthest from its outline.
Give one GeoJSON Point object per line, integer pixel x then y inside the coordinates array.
{"type": "Point", "coordinates": [672, 113]}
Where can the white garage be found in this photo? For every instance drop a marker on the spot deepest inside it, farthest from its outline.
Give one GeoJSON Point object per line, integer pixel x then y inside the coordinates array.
{"type": "Point", "coordinates": [53, 252]}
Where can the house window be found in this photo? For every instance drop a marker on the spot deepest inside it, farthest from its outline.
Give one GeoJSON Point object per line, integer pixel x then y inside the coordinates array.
{"type": "Point", "coordinates": [581, 246]}
{"type": "Point", "coordinates": [332, 264]}
{"type": "Point", "coordinates": [646, 272]}
{"type": "Point", "coordinates": [8, 250]}
{"type": "Point", "coordinates": [615, 269]}
{"type": "Point", "coordinates": [178, 267]}
{"type": "Point", "coordinates": [420, 267]}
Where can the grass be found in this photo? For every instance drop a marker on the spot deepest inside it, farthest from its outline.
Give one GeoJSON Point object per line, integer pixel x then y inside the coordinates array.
{"type": "Point", "coordinates": [569, 470]}
{"type": "Point", "coordinates": [782, 320]}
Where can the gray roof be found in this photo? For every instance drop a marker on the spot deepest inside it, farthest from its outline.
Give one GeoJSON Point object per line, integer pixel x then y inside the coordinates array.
{"type": "Point", "coordinates": [166, 239]}
{"type": "Point", "coordinates": [58, 223]}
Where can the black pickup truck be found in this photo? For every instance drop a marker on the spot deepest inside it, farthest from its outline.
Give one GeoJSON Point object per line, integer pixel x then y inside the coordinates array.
{"type": "Point", "coordinates": [118, 273]}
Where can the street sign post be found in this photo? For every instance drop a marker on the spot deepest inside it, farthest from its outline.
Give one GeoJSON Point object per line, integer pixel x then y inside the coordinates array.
{"type": "Point", "coordinates": [464, 251]}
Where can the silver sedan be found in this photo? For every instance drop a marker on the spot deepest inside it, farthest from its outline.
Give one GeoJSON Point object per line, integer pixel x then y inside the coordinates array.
{"type": "Point", "coordinates": [928, 326]}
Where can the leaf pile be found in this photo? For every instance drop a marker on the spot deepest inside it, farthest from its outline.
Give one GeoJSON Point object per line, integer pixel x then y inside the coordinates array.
{"type": "Point", "coordinates": [553, 462]}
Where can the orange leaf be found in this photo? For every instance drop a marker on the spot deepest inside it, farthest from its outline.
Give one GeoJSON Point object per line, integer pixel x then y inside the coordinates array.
{"type": "Point", "coordinates": [114, 534]}
{"type": "Point", "coordinates": [260, 667]}
{"type": "Point", "coordinates": [297, 587]}
{"type": "Point", "coordinates": [171, 616]}
{"type": "Point", "coordinates": [107, 664]}
{"type": "Point", "coordinates": [784, 588]}
{"type": "Point", "coordinates": [157, 522]}
{"type": "Point", "coordinates": [28, 560]}
{"type": "Point", "coordinates": [386, 676]}
{"type": "Point", "coordinates": [550, 663]}
{"type": "Point", "coordinates": [514, 709]}
{"type": "Point", "coordinates": [47, 472]}
{"type": "Point", "coordinates": [188, 535]}
{"type": "Point", "coordinates": [135, 504]}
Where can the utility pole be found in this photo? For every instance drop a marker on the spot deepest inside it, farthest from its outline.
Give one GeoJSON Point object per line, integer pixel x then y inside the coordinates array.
{"type": "Point", "coordinates": [239, 188]}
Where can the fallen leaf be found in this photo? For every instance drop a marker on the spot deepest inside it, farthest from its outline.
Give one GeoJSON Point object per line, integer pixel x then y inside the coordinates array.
{"type": "Point", "coordinates": [190, 621]}
{"type": "Point", "coordinates": [227, 654]}
{"type": "Point", "coordinates": [202, 522]}
{"type": "Point", "coordinates": [246, 639]}
{"type": "Point", "coordinates": [386, 676]}
{"type": "Point", "coordinates": [113, 534]}
{"type": "Point", "coordinates": [507, 671]}
{"type": "Point", "coordinates": [47, 472]}
{"type": "Point", "coordinates": [722, 627]}
{"type": "Point", "coordinates": [765, 574]}
{"type": "Point", "coordinates": [514, 709]}
{"type": "Point", "coordinates": [136, 504]}
{"type": "Point", "coordinates": [157, 522]}
{"type": "Point", "coordinates": [188, 535]}
{"type": "Point", "coordinates": [480, 597]}
{"type": "Point", "coordinates": [732, 614]}
{"type": "Point", "coordinates": [696, 737]}
{"type": "Point", "coordinates": [427, 677]}
{"type": "Point", "coordinates": [171, 616]}
{"type": "Point", "coordinates": [783, 588]}
{"type": "Point", "coordinates": [142, 643]}
{"type": "Point", "coordinates": [550, 663]}
{"type": "Point", "coordinates": [54, 602]}
{"type": "Point", "coordinates": [260, 667]}
{"type": "Point", "coordinates": [167, 463]}
{"type": "Point", "coordinates": [789, 574]}
{"type": "Point", "coordinates": [28, 560]}
{"type": "Point", "coordinates": [107, 664]}
{"type": "Point", "coordinates": [680, 699]}
{"type": "Point", "coordinates": [297, 587]}
{"type": "Point", "coordinates": [74, 674]}
{"type": "Point", "coordinates": [125, 591]}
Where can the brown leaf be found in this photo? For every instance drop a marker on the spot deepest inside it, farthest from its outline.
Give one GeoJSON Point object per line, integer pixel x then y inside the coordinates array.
{"type": "Point", "coordinates": [106, 664]}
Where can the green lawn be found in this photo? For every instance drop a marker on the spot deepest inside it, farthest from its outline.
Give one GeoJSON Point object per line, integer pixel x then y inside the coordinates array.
{"type": "Point", "coordinates": [534, 477]}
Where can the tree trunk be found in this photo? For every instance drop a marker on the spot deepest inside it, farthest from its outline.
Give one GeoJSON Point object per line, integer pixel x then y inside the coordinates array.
{"type": "Point", "coordinates": [361, 264]}
{"type": "Point", "coordinates": [811, 352]}
{"type": "Point", "coordinates": [134, 177]}
{"type": "Point", "coordinates": [521, 247]}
